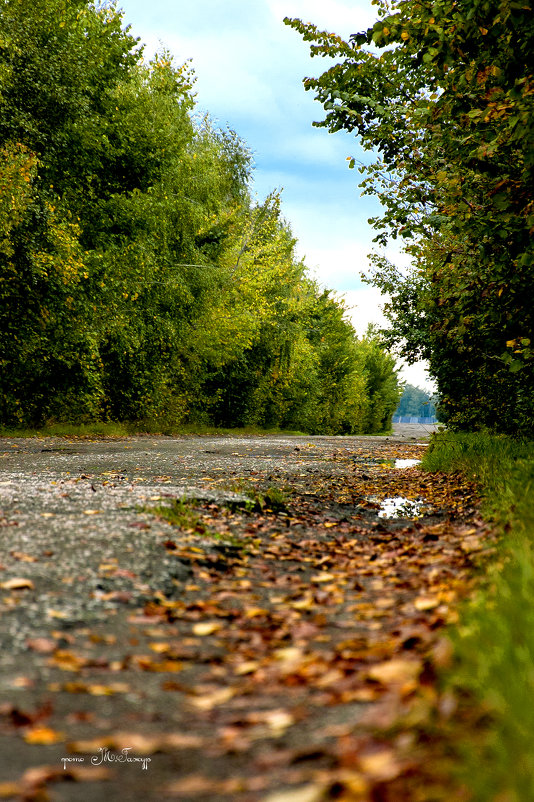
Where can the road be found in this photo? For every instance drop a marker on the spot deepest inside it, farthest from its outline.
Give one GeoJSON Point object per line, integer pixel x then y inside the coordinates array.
{"type": "Point", "coordinates": [230, 643]}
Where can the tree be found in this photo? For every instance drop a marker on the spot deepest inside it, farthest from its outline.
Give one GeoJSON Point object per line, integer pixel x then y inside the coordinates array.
{"type": "Point", "coordinates": [417, 402]}
{"type": "Point", "coordinates": [138, 278]}
{"type": "Point", "coordinates": [443, 92]}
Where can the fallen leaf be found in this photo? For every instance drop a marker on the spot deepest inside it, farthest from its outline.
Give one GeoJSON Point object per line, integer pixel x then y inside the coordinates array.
{"type": "Point", "coordinates": [325, 577]}
{"type": "Point", "coordinates": [471, 543]}
{"type": "Point", "coordinates": [43, 736]}
{"type": "Point", "coordinates": [248, 667]}
{"type": "Point", "coordinates": [306, 793]}
{"type": "Point", "coordinates": [23, 557]}
{"type": "Point", "coordinates": [423, 603]}
{"type": "Point", "coordinates": [381, 765]}
{"type": "Point", "coordinates": [278, 721]}
{"type": "Point", "coordinates": [396, 671]}
{"type": "Point", "coordinates": [41, 645]}
{"type": "Point", "coordinates": [67, 661]}
{"type": "Point", "coordinates": [206, 628]}
{"type": "Point", "coordinates": [17, 583]}
{"type": "Point", "coordinates": [11, 790]}
{"type": "Point", "coordinates": [210, 700]}
{"type": "Point", "coordinates": [141, 744]}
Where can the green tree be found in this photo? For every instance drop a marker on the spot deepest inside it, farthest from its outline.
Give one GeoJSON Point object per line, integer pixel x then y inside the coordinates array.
{"type": "Point", "coordinates": [138, 278]}
{"type": "Point", "coordinates": [417, 402]}
{"type": "Point", "coordinates": [443, 92]}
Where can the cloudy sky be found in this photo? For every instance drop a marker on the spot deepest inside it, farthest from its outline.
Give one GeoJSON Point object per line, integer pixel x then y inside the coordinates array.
{"type": "Point", "coordinates": [249, 69]}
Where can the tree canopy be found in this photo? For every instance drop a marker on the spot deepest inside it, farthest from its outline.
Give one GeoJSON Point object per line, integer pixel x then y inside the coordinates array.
{"type": "Point", "coordinates": [139, 277]}
{"type": "Point", "coordinates": [442, 93]}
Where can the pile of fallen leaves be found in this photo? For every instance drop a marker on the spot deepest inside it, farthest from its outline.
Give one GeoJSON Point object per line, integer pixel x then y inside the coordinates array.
{"type": "Point", "coordinates": [302, 655]}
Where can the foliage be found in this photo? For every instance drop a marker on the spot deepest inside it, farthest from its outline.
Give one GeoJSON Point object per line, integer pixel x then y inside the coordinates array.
{"type": "Point", "coordinates": [494, 643]}
{"type": "Point", "coordinates": [416, 401]}
{"type": "Point", "coordinates": [139, 280]}
{"type": "Point", "coordinates": [442, 93]}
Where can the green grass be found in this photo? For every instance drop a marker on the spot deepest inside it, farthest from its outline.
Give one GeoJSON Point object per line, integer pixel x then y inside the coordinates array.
{"type": "Point", "coordinates": [128, 429]}
{"type": "Point", "coordinates": [494, 640]}
{"type": "Point", "coordinates": [86, 430]}
{"type": "Point", "coordinates": [182, 514]}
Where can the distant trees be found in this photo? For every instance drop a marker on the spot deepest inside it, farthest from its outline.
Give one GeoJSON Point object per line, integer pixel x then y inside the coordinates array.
{"type": "Point", "coordinates": [443, 93]}
{"type": "Point", "coordinates": [416, 402]}
{"type": "Point", "coordinates": [138, 278]}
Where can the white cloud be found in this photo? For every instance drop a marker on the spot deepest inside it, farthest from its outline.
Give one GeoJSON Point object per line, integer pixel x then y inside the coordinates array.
{"type": "Point", "coordinates": [335, 16]}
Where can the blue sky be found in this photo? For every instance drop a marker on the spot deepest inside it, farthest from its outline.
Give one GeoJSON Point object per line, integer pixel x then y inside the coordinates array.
{"type": "Point", "coordinates": [249, 69]}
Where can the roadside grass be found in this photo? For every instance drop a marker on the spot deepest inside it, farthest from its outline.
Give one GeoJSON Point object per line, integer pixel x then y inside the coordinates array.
{"type": "Point", "coordinates": [83, 430]}
{"type": "Point", "coordinates": [129, 429]}
{"type": "Point", "coordinates": [493, 670]}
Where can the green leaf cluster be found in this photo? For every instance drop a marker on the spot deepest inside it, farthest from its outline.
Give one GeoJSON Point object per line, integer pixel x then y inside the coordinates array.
{"type": "Point", "coordinates": [138, 277]}
{"type": "Point", "coordinates": [442, 92]}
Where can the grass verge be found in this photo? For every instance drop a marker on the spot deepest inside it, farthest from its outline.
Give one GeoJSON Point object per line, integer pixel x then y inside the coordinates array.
{"type": "Point", "coordinates": [129, 429]}
{"type": "Point", "coordinates": [493, 670]}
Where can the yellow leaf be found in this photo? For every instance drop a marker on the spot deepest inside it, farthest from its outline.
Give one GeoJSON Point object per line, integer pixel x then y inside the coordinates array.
{"type": "Point", "coordinates": [159, 648]}
{"type": "Point", "coordinates": [44, 736]}
{"type": "Point", "coordinates": [17, 583]}
{"type": "Point", "coordinates": [206, 628]}
{"type": "Point", "coordinates": [255, 612]}
{"type": "Point", "coordinates": [326, 577]}
{"type": "Point", "coordinates": [423, 603]}
{"type": "Point", "coordinates": [396, 671]}
{"type": "Point", "coordinates": [248, 667]}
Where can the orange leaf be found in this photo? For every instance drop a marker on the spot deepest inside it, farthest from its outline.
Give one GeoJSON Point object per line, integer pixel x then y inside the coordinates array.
{"type": "Point", "coordinates": [44, 736]}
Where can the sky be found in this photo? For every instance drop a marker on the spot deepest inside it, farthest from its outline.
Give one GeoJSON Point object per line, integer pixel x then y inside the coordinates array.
{"type": "Point", "coordinates": [249, 68]}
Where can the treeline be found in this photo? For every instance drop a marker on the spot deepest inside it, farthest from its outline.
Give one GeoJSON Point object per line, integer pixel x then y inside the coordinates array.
{"type": "Point", "coordinates": [417, 402]}
{"type": "Point", "coordinates": [442, 93]}
{"type": "Point", "coordinates": [138, 277]}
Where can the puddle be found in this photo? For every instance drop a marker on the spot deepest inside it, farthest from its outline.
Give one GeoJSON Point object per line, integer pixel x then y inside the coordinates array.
{"type": "Point", "coordinates": [406, 463]}
{"type": "Point", "coordinates": [400, 507]}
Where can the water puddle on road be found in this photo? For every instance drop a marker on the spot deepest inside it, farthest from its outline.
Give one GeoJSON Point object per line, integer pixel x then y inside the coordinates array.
{"type": "Point", "coordinates": [400, 507]}
{"type": "Point", "coordinates": [406, 463]}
